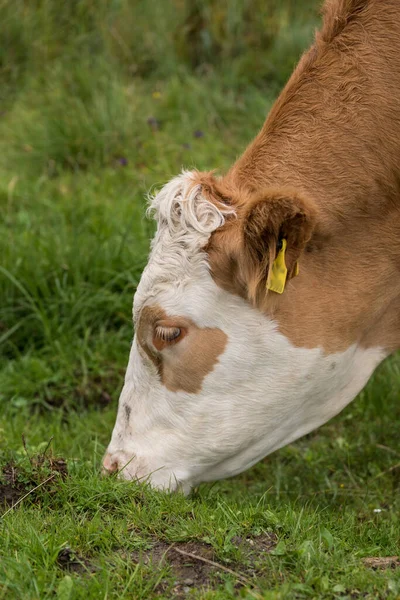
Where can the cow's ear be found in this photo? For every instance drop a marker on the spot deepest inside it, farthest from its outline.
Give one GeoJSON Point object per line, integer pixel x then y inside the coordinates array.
{"type": "Point", "coordinates": [280, 219]}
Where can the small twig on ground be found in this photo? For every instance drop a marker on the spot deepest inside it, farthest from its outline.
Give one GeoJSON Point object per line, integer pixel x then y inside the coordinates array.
{"type": "Point", "coordinates": [214, 564]}
{"type": "Point", "coordinates": [26, 495]}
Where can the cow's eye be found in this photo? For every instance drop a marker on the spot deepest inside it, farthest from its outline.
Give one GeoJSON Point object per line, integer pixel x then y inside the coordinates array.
{"type": "Point", "coordinates": [167, 334]}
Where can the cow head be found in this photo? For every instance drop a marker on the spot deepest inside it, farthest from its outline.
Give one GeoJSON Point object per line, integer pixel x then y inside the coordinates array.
{"type": "Point", "coordinates": [217, 377]}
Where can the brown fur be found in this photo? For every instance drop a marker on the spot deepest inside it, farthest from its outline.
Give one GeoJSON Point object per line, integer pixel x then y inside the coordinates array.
{"type": "Point", "coordinates": [181, 365]}
{"type": "Point", "coordinates": [324, 171]}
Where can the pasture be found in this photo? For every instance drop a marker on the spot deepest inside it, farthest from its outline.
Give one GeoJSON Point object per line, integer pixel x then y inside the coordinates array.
{"type": "Point", "coordinates": [101, 102]}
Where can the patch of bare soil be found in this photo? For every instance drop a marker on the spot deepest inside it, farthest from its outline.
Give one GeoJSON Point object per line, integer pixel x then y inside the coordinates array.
{"type": "Point", "coordinates": [15, 484]}
{"type": "Point", "coordinates": [254, 550]}
{"type": "Point", "coordinates": [256, 545]}
{"type": "Point", "coordinates": [10, 489]}
{"type": "Point", "coordinates": [54, 466]}
{"type": "Point", "coordinates": [71, 561]}
{"type": "Point", "coordinates": [194, 564]}
{"type": "Point", "coordinates": [382, 562]}
{"type": "Point", "coordinates": [191, 563]}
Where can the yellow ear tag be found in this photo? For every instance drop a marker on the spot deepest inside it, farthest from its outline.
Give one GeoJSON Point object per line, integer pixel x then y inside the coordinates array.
{"type": "Point", "coordinates": [277, 278]}
{"type": "Point", "coordinates": [296, 269]}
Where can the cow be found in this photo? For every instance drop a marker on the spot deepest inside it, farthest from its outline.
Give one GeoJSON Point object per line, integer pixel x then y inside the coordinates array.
{"type": "Point", "coordinates": [272, 293]}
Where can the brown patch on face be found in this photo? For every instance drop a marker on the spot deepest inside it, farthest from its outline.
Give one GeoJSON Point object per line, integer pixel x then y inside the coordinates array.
{"type": "Point", "coordinates": [182, 365]}
{"type": "Point", "coordinates": [144, 333]}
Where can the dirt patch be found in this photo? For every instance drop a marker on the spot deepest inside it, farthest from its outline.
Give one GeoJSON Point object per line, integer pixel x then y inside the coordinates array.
{"type": "Point", "coordinates": [382, 562]}
{"type": "Point", "coordinates": [11, 490]}
{"type": "Point", "coordinates": [256, 546]}
{"type": "Point", "coordinates": [190, 563]}
{"type": "Point", "coordinates": [71, 561]}
{"type": "Point", "coordinates": [58, 465]}
{"type": "Point", "coordinates": [16, 482]}
{"type": "Point", "coordinates": [254, 550]}
{"type": "Point", "coordinates": [194, 564]}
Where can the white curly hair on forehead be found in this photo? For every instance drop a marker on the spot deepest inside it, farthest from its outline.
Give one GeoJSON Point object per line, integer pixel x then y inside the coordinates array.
{"type": "Point", "coordinates": [182, 208]}
{"type": "Point", "coordinates": [185, 220]}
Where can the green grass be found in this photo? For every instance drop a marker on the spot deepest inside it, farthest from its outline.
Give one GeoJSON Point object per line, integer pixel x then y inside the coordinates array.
{"type": "Point", "coordinates": [99, 103]}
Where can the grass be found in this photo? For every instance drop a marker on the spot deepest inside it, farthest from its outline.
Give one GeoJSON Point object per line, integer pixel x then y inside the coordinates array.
{"type": "Point", "coordinates": [100, 102]}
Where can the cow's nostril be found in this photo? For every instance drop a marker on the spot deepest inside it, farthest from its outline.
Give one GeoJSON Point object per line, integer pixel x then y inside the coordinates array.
{"type": "Point", "coordinates": [110, 465]}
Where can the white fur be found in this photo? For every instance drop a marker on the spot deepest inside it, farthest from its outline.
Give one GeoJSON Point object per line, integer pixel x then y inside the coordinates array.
{"type": "Point", "coordinates": [185, 221]}
{"type": "Point", "coordinates": [262, 394]}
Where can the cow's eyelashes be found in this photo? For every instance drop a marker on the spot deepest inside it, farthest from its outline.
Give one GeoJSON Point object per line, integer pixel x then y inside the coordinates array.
{"type": "Point", "coordinates": [167, 334]}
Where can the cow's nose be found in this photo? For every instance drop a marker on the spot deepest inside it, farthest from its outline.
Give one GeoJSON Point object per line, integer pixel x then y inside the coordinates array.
{"type": "Point", "coordinates": [110, 465]}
